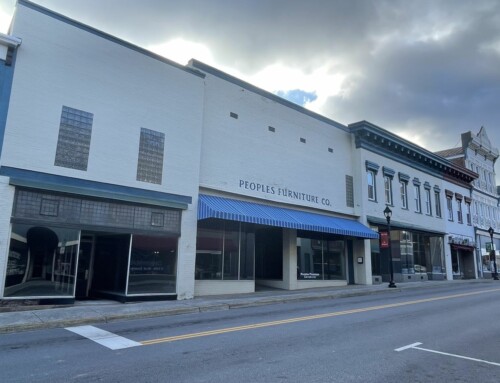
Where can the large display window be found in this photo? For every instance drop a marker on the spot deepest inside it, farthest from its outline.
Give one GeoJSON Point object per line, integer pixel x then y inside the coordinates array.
{"type": "Point", "coordinates": [41, 261]}
{"type": "Point", "coordinates": [420, 253]}
{"type": "Point", "coordinates": [225, 250]}
{"type": "Point", "coordinates": [153, 264]}
{"type": "Point", "coordinates": [320, 259]}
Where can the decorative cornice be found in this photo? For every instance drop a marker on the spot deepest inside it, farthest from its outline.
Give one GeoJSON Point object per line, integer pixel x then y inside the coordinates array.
{"type": "Point", "coordinates": [381, 141]}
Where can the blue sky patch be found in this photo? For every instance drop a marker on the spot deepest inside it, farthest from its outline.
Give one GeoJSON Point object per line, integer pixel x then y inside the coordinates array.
{"type": "Point", "coordinates": [297, 96]}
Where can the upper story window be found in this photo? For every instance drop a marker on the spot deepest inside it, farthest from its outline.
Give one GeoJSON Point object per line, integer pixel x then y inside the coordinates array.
{"type": "Point", "coordinates": [469, 219]}
{"type": "Point", "coordinates": [437, 202]}
{"type": "Point", "coordinates": [388, 190]}
{"type": "Point", "coordinates": [459, 198]}
{"type": "Point", "coordinates": [403, 189]}
{"type": "Point", "coordinates": [371, 172]}
{"type": "Point", "coordinates": [388, 175]}
{"type": "Point", "coordinates": [370, 179]}
{"type": "Point", "coordinates": [449, 204]}
{"type": "Point", "coordinates": [459, 211]}
{"type": "Point", "coordinates": [428, 207]}
{"type": "Point", "coordinates": [73, 143]}
{"type": "Point", "coordinates": [150, 160]}
{"type": "Point", "coordinates": [416, 195]}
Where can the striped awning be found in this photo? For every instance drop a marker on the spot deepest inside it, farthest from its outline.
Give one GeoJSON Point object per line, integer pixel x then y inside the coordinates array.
{"type": "Point", "coordinates": [243, 211]}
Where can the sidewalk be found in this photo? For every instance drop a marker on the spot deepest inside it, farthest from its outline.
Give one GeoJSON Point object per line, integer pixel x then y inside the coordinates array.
{"type": "Point", "coordinates": [103, 311]}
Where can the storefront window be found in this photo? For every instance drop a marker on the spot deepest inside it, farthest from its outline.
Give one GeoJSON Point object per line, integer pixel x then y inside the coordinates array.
{"type": "Point", "coordinates": [320, 259]}
{"type": "Point", "coordinates": [41, 262]}
{"type": "Point", "coordinates": [420, 253]}
{"type": "Point", "coordinates": [406, 247]}
{"type": "Point", "coordinates": [225, 250]}
{"type": "Point", "coordinates": [153, 264]}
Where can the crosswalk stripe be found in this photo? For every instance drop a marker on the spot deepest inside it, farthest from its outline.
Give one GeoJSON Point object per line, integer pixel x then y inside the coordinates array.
{"type": "Point", "coordinates": [104, 338]}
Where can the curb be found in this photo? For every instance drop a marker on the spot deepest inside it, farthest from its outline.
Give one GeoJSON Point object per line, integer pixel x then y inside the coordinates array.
{"type": "Point", "coordinates": [51, 318]}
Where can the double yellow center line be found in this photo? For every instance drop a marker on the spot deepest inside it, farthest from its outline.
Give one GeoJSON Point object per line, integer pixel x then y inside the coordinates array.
{"type": "Point", "coordinates": [309, 317]}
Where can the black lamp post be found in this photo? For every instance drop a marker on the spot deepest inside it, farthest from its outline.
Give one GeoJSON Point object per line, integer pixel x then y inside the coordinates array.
{"type": "Point", "coordinates": [388, 214]}
{"type": "Point", "coordinates": [492, 254]}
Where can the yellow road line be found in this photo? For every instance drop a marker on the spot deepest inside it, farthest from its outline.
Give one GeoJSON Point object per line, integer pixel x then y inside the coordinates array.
{"type": "Point", "coordinates": [309, 317]}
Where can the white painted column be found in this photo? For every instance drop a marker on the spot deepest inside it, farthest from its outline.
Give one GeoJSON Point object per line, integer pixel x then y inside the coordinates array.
{"type": "Point", "coordinates": [290, 259]}
{"type": "Point", "coordinates": [6, 202]}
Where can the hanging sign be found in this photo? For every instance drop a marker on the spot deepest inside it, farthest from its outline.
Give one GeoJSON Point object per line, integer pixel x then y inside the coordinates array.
{"type": "Point", "coordinates": [384, 239]}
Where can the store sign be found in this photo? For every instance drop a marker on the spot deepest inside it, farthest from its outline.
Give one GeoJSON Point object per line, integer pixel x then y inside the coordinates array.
{"type": "Point", "coordinates": [384, 239]}
{"type": "Point", "coordinates": [283, 192]}
{"type": "Point", "coordinates": [309, 275]}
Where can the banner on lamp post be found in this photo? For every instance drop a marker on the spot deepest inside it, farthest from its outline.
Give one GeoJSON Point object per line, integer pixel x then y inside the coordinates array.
{"type": "Point", "coordinates": [384, 239]}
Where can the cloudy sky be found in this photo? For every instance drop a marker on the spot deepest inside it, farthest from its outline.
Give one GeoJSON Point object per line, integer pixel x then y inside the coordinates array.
{"type": "Point", "coordinates": [426, 70]}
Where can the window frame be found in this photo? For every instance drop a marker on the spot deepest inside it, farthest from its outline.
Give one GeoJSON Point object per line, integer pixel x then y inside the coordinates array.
{"type": "Point", "coordinates": [372, 186]}
{"type": "Point", "coordinates": [428, 202]}
{"type": "Point", "coordinates": [403, 192]}
{"type": "Point", "coordinates": [388, 190]}
{"type": "Point", "coordinates": [437, 203]}
{"type": "Point", "coordinates": [417, 197]}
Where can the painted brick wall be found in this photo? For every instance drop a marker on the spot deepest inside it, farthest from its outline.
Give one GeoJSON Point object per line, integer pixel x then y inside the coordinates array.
{"type": "Point", "coordinates": [60, 64]}
{"type": "Point", "coordinates": [243, 149]}
{"type": "Point", "coordinates": [409, 216]}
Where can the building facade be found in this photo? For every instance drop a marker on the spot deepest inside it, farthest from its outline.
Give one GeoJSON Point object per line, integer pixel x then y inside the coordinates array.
{"type": "Point", "coordinates": [126, 175]}
{"type": "Point", "coordinates": [291, 172]}
{"type": "Point", "coordinates": [428, 196]}
{"type": "Point", "coordinates": [99, 164]}
{"type": "Point", "coordinates": [478, 154]}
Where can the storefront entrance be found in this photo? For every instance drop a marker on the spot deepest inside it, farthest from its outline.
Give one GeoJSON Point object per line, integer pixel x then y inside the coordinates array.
{"type": "Point", "coordinates": [462, 261]}
{"type": "Point", "coordinates": [85, 258]}
{"type": "Point", "coordinates": [102, 265]}
{"type": "Point", "coordinates": [66, 247]}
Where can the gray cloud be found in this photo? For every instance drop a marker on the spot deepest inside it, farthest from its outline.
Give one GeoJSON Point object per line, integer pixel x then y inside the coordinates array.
{"type": "Point", "coordinates": [426, 67]}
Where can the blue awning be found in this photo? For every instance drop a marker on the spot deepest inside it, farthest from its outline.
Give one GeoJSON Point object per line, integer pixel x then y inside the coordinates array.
{"type": "Point", "coordinates": [243, 211]}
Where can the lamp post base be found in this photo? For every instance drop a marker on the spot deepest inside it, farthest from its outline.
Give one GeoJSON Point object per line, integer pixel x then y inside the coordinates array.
{"type": "Point", "coordinates": [392, 284]}
{"type": "Point", "coordinates": [495, 277]}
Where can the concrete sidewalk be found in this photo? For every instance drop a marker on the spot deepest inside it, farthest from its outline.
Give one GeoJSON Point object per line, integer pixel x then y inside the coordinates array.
{"type": "Point", "coordinates": [87, 312]}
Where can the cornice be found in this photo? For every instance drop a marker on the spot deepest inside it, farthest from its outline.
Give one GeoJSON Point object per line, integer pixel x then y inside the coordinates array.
{"type": "Point", "coordinates": [376, 139]}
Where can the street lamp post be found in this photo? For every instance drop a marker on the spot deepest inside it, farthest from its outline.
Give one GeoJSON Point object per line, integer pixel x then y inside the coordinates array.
{"type": "Point", "coordinates": [388, 214]}
{"type": "Point", "coordinates": [493, 254]}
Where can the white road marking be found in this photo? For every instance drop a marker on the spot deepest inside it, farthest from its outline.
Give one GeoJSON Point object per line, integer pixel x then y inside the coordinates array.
{"type": "Point", "coordinates": [415, 346]}
{"type": "Point", "coordinates": [104, 338]}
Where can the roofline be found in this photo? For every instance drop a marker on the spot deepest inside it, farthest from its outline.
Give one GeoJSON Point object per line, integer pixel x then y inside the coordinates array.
{"type": "Point", "coordinates": [389, 136]}
{"type": "Point", "coordinates": [106, 36]}
{"type": "Point", "coordinates": [264, 93]}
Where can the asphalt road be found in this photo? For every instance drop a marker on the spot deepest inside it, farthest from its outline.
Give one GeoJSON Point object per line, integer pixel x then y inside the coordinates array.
{"type": "Point", "coordinates": [428, 335]}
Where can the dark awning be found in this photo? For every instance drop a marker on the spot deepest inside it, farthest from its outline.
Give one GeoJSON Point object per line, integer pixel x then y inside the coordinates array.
{"type": "Point", "coordinates": [243, 211]}
{"type": "Point", "coordinates": [78, 186]}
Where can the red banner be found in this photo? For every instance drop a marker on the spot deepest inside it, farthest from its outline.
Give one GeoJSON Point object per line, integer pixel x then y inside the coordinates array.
{"type": "Point", "coordinates": [384, 239]}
